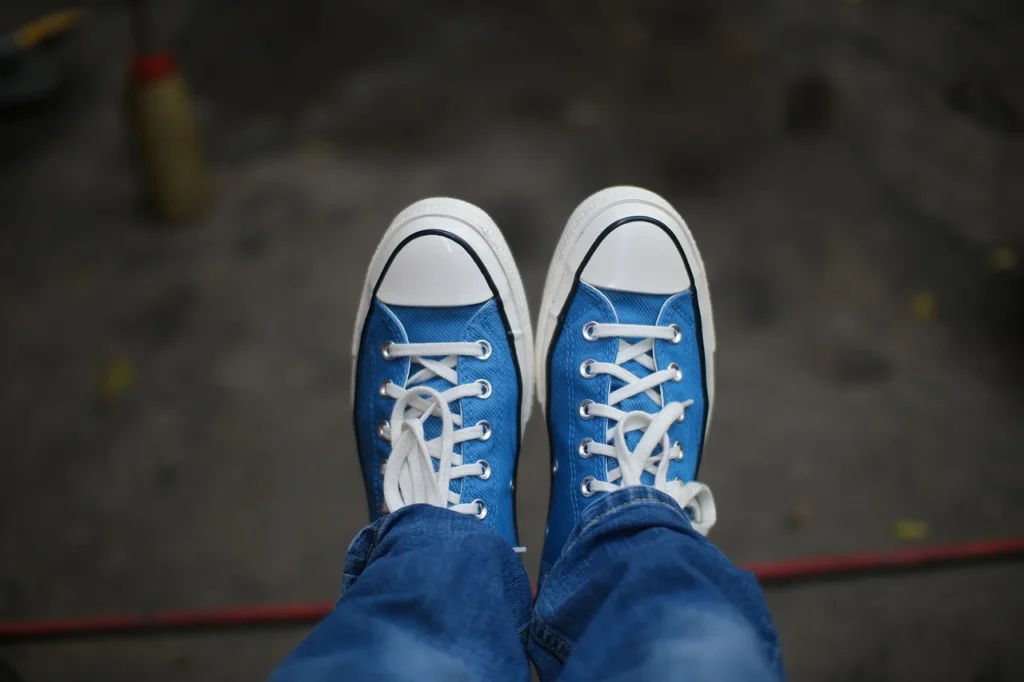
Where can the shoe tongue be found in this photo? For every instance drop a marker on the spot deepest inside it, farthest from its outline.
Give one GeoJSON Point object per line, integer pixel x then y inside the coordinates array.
{"type": "Point", "coordinates": [435, 325]}
{"type": "Point", "coordinates": [632, 308]}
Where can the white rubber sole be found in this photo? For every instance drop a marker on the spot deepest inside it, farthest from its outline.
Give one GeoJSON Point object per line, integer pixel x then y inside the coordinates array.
{"type": "Point", "coordinates": [586, 224]}
{"type": "Point", "coordinates": [476, 228]}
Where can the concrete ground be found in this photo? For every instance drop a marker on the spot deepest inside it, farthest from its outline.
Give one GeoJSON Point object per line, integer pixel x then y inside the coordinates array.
{"type": "Point", "coordinates": [174, 404]}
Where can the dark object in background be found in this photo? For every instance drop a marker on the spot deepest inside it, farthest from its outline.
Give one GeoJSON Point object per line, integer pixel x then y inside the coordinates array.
{"type": "Point", "coordinates": [8, 673]}
{"type": "Point", "coordinates": [35, 61]}
{"type": "Point", "coordinates": [981, 97]}
{"type": "Point", "coordinates": [809, 104]}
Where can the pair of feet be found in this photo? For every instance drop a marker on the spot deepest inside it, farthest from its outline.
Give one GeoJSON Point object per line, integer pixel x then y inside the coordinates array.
{"type": "Point", "coordinates": [445, 362]}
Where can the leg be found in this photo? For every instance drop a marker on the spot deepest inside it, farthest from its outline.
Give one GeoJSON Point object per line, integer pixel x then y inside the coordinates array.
{"type": "Point", "coordinates": [629, 585]}
{"type": "Point", "coordinates": [443, 385]}
{"type": "Point", "coordinates": [639, 594]}
{"type": "Point", "coordinates": [429, 594]}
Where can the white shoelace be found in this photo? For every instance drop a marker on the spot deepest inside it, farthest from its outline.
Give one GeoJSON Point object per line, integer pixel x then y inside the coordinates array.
{"type": "Point", "coordinates": [409, 475]}
{"type": "Point", "coordinates": [632, 464]}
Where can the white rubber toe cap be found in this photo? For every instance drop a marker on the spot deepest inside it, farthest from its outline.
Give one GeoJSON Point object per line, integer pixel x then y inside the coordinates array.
{"type": "Point", "coordinates": [639, 257]}
{"type": "Point", "coordinates": [433, 271]}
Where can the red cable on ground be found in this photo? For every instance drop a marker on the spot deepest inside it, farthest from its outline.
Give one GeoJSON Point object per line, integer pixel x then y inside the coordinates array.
{"type": "Point", "coordinates": [817, 568]}
{"type": "Point", "coordinates": [769, 573]}
{"type": "Point", "coordinates": [198, 619]}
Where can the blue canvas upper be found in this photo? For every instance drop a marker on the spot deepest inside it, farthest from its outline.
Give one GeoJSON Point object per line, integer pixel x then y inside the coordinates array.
{"type": "Point", "coordinates": [401, 324]}
{"type": "Point", "coordinates": [567, 388]}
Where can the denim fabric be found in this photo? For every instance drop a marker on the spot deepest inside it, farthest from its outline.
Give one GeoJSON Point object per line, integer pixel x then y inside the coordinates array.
{"type": "Point", "coordinates": [637, 595]}
{"type": "Point", "coordinates": [428, 594]}
{"type": "Point", "coordinates": [501, 409]}
{"type": "Point", "coordinates": [567, 388]}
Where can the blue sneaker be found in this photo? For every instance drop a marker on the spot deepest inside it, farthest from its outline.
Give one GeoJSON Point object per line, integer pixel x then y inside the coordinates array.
{"type": "Point", "coordinates": [442, 352]}
{"type": "Point", "coordinates": [627, 342]}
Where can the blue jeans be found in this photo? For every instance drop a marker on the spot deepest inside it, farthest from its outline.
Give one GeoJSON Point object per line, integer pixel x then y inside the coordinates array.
{"type": "Point", "coordinates": [637, 594]}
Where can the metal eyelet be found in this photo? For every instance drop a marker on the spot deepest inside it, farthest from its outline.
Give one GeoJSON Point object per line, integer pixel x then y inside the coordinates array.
{"type": "Point", "coordinates": [485, 350]}
{"type": "Point", "coordinates": [554, 468]}
{"type": "Point", "coordinates": [486, 393]}
{"type": "Point", "coordinates": [385, 350]}
{"type": "Point", "coordinates": [587, 369]}
{"type": "Point", "coordinates": [383, 390]}
{"type": "Point", "coordinates": [678, 447]}
{"type": "Point", "coordinates": [585, 486]}
{"type": "Point", "coordinates": [512, 486]}
{"type": "Point", "coordinates": [588, 331]}
{"type": "Point", "coordinates": [481, 509]}
{"type": "Point", "coordinates": [486, 426]}
{"type": "Point", "coordinates": [383, 429]}
{"type": "Point", "coordinates": [677, 333]}
{"type": "Point", "coordinates": [585, 409]}
{"type": "Point", "coordinates": [679, 372]}
{"type": "Point", "coordinates": [486, 473]}
{"type": "Point", "coordinates": [584, 447]}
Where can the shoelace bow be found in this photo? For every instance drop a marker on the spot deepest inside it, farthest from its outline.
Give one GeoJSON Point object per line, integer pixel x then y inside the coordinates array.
{"type": "Point", "coordinates": [409, 474]}
{"type": "Point", "coordinates": [653, 452]}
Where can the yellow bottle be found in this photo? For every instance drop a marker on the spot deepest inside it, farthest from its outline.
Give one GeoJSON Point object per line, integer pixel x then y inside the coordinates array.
{"type": "Point", "coordinates": [166, 139]}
